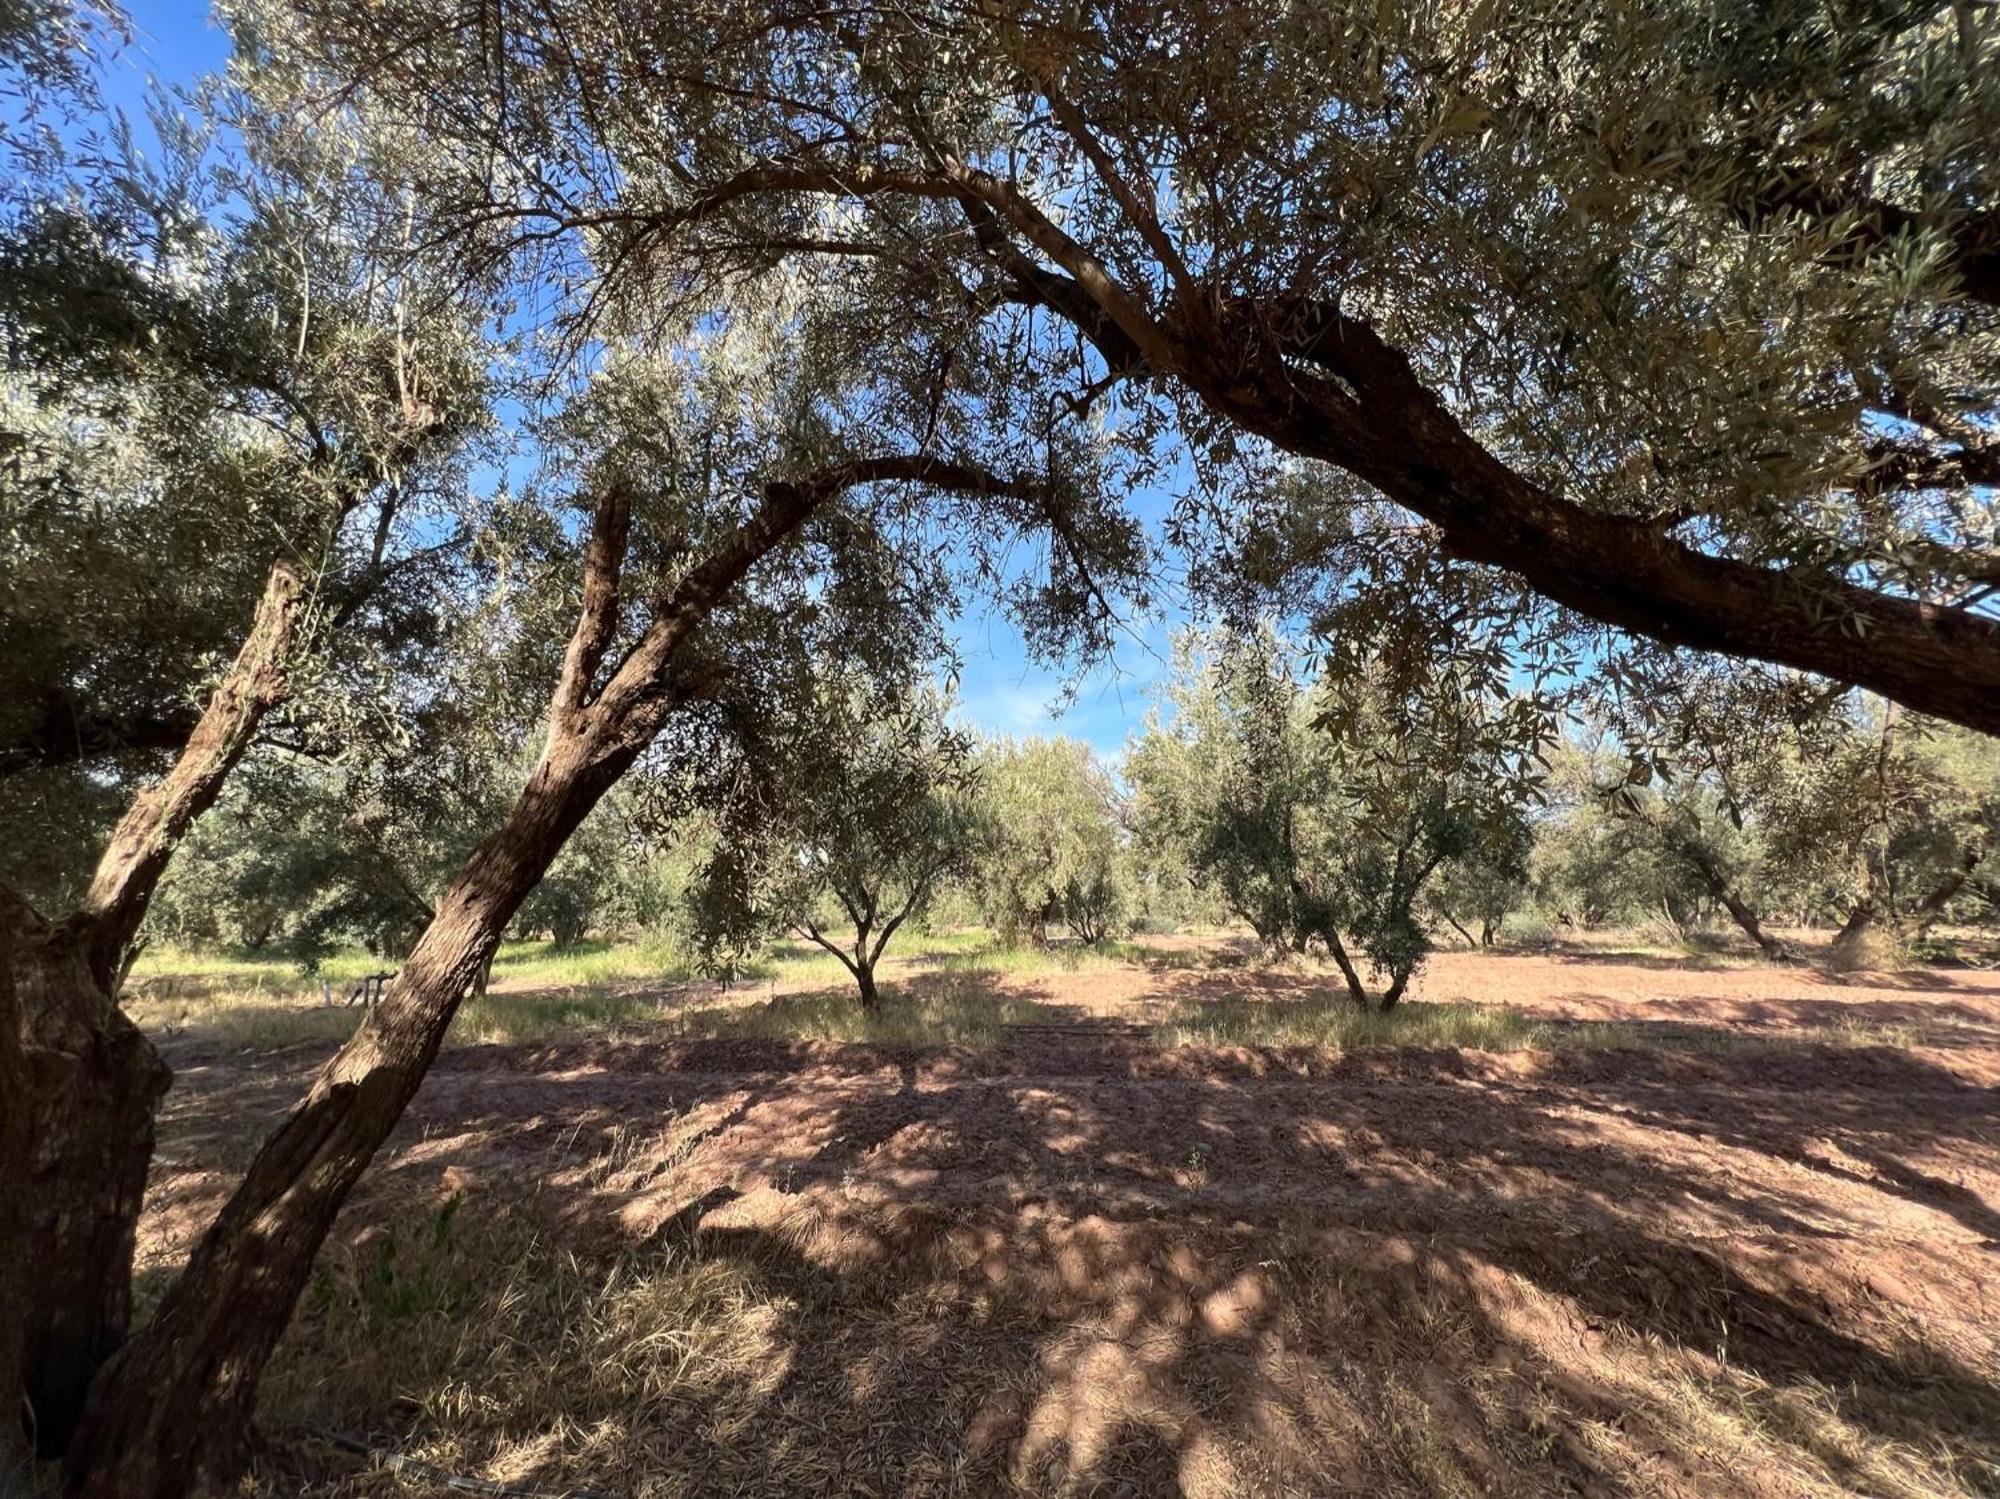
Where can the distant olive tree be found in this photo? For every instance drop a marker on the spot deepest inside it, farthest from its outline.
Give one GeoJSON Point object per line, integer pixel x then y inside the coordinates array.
{"type": "Point", "coordinates": [1051, 846]}
{"type": "Point", "coordinates": [866, 813]}
{"type": "Point", "coordinates": [1320, 813]}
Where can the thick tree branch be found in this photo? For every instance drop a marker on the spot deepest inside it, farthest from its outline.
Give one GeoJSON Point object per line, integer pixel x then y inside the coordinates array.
{"type": "Point", "coordinates": [597, 620]}
{"type": "Point", "coordinates": [1381, 423]}
{"type": "Point", "coordinates": [160, 816]}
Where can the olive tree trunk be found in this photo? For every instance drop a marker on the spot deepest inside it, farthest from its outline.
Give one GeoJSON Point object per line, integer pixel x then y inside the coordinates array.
{"type": "Point", "coordinates": [1740, 911]}
{"type": "Point", "coordinates": [175, 1406]}
{"type": "Point", "coordinates": [13, 1216]}
{"type": "Point", "coordinates": [90, 1081]}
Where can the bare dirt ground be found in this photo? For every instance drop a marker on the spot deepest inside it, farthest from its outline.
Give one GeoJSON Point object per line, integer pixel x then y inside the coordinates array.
{"type": "Point", "coordinates": [1079, 1263]}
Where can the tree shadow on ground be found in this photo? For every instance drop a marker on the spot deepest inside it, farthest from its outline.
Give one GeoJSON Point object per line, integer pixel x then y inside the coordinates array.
{"type": "Point", "coordinates": [1070, 1264]}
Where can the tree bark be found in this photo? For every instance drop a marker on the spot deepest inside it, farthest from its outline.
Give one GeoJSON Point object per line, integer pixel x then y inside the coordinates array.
{"type": "Point", "coordinates": [14, 1200]}
{"type": "Point", "coordinates": [1927, 910]}
{"type": "Point", "coordinates": [178, 1401]}
{"type": "Point", "coordinates": [91, 1081]}
{"type": "Point", "coordinates": [152, 828]}
{"type": "Point", "coordinates": [864, 979]}
{"type": "Point", "coordinates": [176, 1405]}
{"type": "Point", "coordinates": [1398, 436]}
{"type": "Point", "coordinates": [1398, 982]}
{"type": "Point", "coordinates": [1457, 926]}
{"type": "Point", "coordinates": [1356, 990]}
{"type": "Point", "coordinates": [1739, 910]}
{"type": "Point", "coordinates": [1773, 948]}
{"type": "Point", "coordinates": [92, 1084]}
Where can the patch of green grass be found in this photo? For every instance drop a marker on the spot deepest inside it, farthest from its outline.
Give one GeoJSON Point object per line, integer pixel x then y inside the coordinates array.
{"type": "Point", "coordinates": [1339, 1026]}
{"type": "Point", "coordinates": [1066, 957]}
{"type": "Point", "coordinates": [513, 1019]}
{"type": "Point", "coordinates": [168, 968]}
{"type": "Point", "coordinates": [583, 965]}
{"type": "Point", "coordinates": [949, 1014]}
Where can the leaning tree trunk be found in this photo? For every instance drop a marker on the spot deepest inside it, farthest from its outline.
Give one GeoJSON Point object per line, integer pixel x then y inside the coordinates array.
{"type": "Point", "coordinates": [1739, 909]}
{"type": "Point", "coordinates": [1924, 914]}
{"type": "Point", "coordinates": [1774, 948]}
{"type": "Point", "coordinates": [176, 1404]}
{"type": "Point", "coordinates": [91, 1081]}
{"type": "Point", "coordinates": [1356, 990]}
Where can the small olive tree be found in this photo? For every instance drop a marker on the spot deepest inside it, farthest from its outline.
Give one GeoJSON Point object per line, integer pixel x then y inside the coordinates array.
{"type": "Point", "coordinates": [1051, 845]}
{"type": "Point", "coordinates": [865, 813]}
{"type": "Point", "coordinates": [1320, 813]}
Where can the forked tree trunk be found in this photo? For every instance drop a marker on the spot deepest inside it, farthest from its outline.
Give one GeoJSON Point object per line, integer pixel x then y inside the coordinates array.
{"type": "Point", "coordinates": [91, 1081]}
{"type": "Point", "coordinates": [864, 980]}
{"type": "Point", "coordinates": [1859, 925]}
{"type": "Point", "coordinates": [176, 1404]}
{"type": "Point", "coordinates": [178, 1401]}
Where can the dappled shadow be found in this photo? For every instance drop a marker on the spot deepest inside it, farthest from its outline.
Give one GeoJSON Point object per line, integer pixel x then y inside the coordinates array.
{"type": "Point", "coordinates": [1071, 1262]}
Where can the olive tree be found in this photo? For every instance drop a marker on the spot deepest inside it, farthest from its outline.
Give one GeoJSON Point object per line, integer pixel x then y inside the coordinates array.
{"type": "Point", "coordinates": [1685, 317]}
{"type": "Point", "coordinates": [221, 422]}
{"type": "Point", "coordinates": [762, 492]}
{"type": "Point", "coordinates": [864, 811]}
{"type": "Point", "coordinates": [1320, 812]}
{"type": "Point", "coordinates": [1051, 849]}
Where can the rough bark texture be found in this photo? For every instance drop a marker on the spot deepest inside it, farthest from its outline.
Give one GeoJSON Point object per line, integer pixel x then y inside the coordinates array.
{"type": "Point", "coordinates": [91, 1081]}
{"type": "Point", "coordinates": [13, 1212]}
{"type": "Point", "coordinates": [92, 1084]}
{"type": "Point", "coordinates": [1398, 436]}
{"type": "Point", "coordinates": [178, 1402]}
{"type": "Point", "coordinates": [129, 871]}
{"type": "Point", "coordinates": [176, 1405]}
{"type": "Point", "coordinates": [864, 980]}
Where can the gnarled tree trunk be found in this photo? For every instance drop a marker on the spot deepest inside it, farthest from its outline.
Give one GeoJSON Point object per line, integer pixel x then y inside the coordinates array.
{"type": "Point", "coordinates": [90, 1080]}
{"type": "Point", "coordinates": [178, 1401]}
{"type": "Point", "coordinates": [91, 1084]}
{"type": "Point", "coordinates": [13, 1217]}
{"type": "Point", "coordinates": [176, 1404]}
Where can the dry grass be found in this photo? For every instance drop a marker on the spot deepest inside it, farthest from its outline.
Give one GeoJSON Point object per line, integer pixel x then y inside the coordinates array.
{"type": "Point", "coordinates": [474, 1341]}
{"type": "Point", "coordinates": [910, 1299]}
{"type": "Point", "coordinates": [805, 1360]}
{"type": "Point", "coordinates": [1336, 1025]}
{"type": "Point", "coordinates": [959, 1010]}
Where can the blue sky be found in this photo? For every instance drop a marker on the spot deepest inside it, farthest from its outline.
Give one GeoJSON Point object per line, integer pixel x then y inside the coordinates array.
{"type": "Point", "coordinates": [1000, 689]}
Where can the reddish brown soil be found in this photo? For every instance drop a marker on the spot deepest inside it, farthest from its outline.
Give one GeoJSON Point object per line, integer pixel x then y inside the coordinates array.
{"type": "Point", "coordinates": [1077, 1263]}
